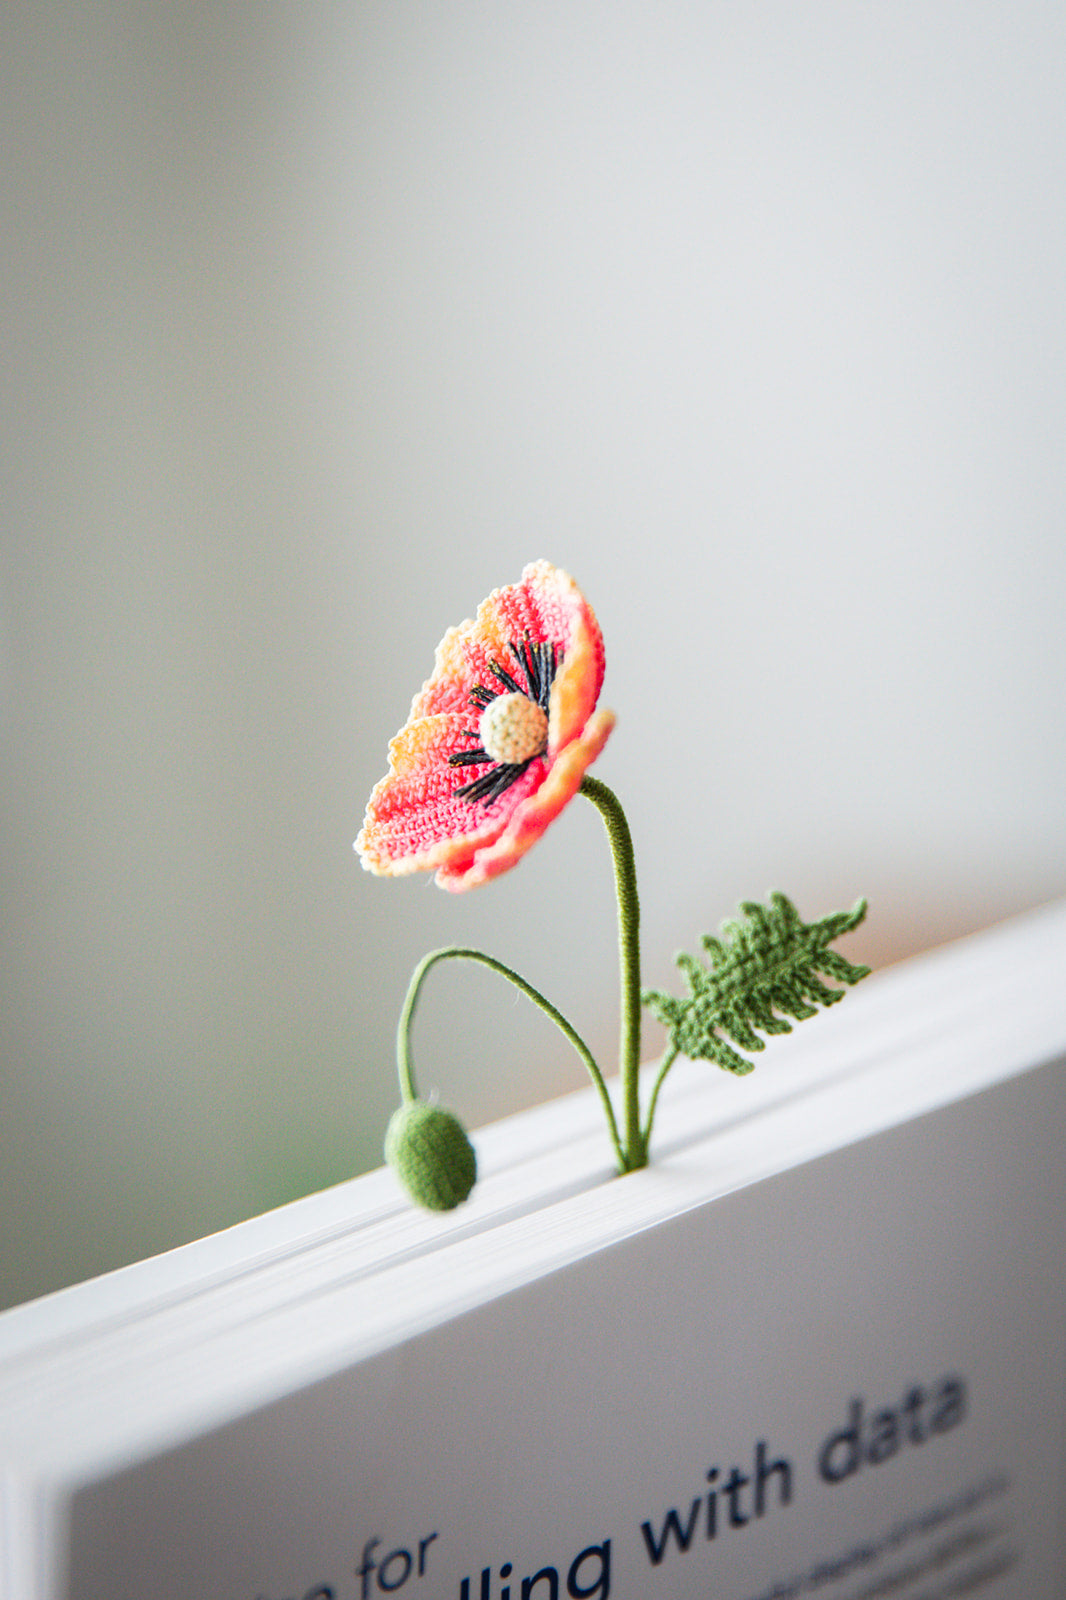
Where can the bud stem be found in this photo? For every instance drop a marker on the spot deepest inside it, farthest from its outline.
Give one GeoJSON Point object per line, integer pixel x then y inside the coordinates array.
{"type": "Point", "coordinates": [404, 1059]}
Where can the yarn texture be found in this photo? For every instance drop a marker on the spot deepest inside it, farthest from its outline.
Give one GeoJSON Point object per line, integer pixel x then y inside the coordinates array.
{"type": "Point", "coordinates": [428, 1149]}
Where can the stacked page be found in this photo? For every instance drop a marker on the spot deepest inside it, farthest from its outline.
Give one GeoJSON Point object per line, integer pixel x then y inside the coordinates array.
{"type": "Point", "coordinates": [818, 1347]}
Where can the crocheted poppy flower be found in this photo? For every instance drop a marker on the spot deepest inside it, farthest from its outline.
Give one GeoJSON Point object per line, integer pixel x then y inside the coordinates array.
{"type": "Point", "coordinates": [497, 740]}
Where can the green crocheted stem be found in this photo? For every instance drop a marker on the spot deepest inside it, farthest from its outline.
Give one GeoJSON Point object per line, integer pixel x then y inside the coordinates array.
{"type": "Point", "coordinates": [634, 1152]}
{"type": "Point", "coordinates": [664, 1067]}
{"type": "Point", "coordinates": [404, 1059]}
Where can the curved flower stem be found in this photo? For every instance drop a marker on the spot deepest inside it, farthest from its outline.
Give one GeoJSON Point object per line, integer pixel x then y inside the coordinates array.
{"type": "Point", "coordinates": [664, 1067]}
{"type": "Point", "coordinates": [405, 1064]}
{"type": "Point", "coordinates": [635, 1151]}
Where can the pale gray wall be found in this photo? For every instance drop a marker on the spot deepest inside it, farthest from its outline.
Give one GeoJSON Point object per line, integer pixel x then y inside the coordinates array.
{"type": "Point", "coordinates": [322, 320]}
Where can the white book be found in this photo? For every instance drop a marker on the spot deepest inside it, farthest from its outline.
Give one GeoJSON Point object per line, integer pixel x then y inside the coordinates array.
{"type": "Point", "coordinates": [817, 1348]}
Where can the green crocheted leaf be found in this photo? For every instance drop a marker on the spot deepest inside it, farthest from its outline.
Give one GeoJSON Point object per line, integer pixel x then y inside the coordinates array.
{"type": "Point", "coordinates": [760, 971]}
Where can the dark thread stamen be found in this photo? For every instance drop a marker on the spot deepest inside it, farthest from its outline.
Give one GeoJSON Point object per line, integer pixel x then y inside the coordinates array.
{"type": "Point", "coordinates": [504, 677]}
{"type": "Point", "coordinates": [480, 696]}
{"type": "Point", "coordinates": [524, 655]}
{"type": "Point", "coordinates": [467, 758]}
{"type": "Point", "coordinates": [492, 784]}
{"type": "Point", "coordinates": [546, 652]}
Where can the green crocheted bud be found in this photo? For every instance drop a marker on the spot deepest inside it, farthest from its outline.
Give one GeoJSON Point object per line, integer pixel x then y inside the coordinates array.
{"type": "Point", "coordinates": [429, 1151]}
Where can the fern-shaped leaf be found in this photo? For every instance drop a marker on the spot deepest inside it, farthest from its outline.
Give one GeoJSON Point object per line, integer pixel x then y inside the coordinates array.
{"type": "Point", "coordinates": [762, 969]}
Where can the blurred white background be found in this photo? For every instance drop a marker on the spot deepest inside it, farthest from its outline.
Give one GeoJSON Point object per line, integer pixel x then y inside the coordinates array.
{"type": "Point", "coordinates": [320, 321]}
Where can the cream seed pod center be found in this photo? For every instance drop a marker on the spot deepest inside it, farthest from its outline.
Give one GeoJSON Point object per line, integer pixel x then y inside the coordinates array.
{"type": "Point", "coordinates": [513, 729]}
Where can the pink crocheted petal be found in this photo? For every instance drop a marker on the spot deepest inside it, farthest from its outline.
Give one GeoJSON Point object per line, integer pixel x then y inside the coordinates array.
{"type": "Point", "coordinates": [414, 819]}
{"type": "Point", "coordinates": [564, 615]}
{"type": "Point", "coordinates": [576, 687]}
{"type": "Point", "coordinates": [532, 815]}
{"type": "Point", "coordinates": [549, 607]}
{"type": "Point", "coordinates": [464, 658]}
